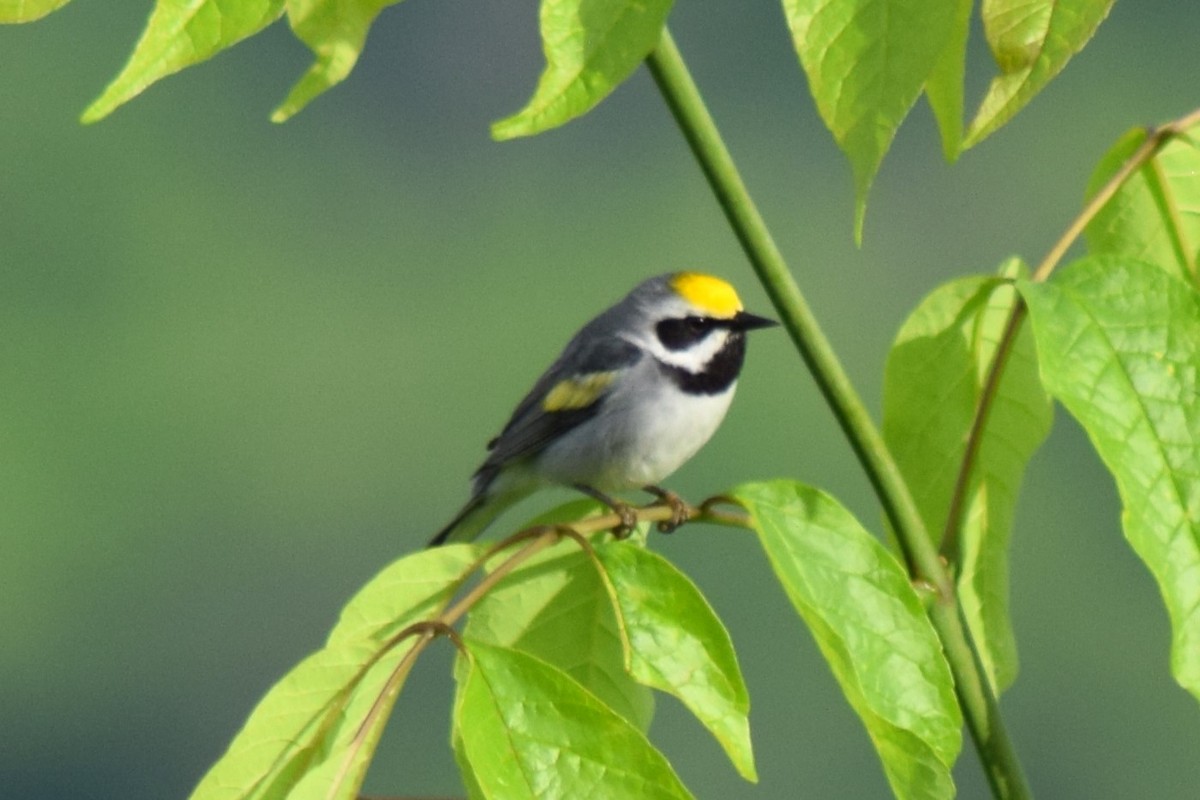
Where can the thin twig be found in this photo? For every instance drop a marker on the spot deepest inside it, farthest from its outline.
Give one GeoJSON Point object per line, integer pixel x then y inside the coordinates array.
{"type": "Point", "coordinates": [536, 539]}
{"type": "Point", "coordinates": [1156, 139]}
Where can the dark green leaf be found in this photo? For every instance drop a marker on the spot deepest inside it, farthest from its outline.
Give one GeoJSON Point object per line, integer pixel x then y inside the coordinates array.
{"type": "Point", "coordinates": [866, 66]}
{"type": "Point", "coordinates": [27, 10]}
{"type": "Point", "coordinates": [932, 384]}
{"type": "Point", "coordinates": [870, 625]}
{"type": "Point", "coordinates": [335, 30]}
{"type": "Point", "coordinates": [181, 33]}
{"type": "Point", "coordinates": [1155, 215]}
{"type": "Point", "coordinates": [1119, 346]}
{"type": "Point", "coordinates": [1031, 40]}
{"type": "Point", "coordinates": [558, 607]}
{"type": "Point", "coordinates": [591, 46]}
{"type": "Point", "coordinates": [679, 646]}
{"type": "Point", "coordinates": [529, 731]}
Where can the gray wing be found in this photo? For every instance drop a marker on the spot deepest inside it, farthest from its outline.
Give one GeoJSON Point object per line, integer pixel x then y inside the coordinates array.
{"type": "Point", "coordinates": [532, 426]}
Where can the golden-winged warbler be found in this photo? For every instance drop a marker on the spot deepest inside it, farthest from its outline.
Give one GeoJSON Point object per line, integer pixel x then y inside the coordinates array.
{"type": "Point", "coordinates": [636, 392]}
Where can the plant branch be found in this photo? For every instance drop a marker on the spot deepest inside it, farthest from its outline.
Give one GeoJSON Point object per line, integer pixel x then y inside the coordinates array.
{"type": "Point", "coordinates": [535, 540]}
{"type": "Point", "coordinates": [978, 702]}
{"type": "Point", "coordinates": [681, 94]}
{"type": "Point", "coordinates": [1156, 139]}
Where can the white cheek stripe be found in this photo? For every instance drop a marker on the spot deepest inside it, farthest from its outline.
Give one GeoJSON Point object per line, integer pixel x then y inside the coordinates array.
{"type": "Point", "coordinates": [696, 357]}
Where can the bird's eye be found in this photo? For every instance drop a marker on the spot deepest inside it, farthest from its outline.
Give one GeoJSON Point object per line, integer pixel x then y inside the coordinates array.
{"type": "Point", "coordinates": [679, 334]}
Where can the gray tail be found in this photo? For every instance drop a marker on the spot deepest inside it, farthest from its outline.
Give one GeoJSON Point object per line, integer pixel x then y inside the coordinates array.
{"type": "Point", "coordinates": [479, 512]}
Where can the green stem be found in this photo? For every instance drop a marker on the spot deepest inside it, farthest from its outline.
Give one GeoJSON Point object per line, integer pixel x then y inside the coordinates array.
{"type": "Point", "coordinates": [669, 71]}
{"type": "Point", "coordinates": [978, 702]}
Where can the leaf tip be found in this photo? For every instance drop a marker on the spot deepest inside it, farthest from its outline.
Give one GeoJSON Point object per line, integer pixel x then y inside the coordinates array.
{"type": "Point", "coordinates": [860, 216]}
{"type": "Point", "coordinates": [509, 128]}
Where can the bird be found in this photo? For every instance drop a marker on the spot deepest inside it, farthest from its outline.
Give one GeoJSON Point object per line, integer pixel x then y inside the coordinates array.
{"type": "Point", "coordinates": [631, 398]}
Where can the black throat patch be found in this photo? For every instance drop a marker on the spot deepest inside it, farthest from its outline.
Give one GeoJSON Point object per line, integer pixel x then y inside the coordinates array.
{"type": "Point", "coordinates": [717, 375]}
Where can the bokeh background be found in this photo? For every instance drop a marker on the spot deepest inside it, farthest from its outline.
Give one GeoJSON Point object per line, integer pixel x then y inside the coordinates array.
{"type": "Point", "coordinates": [243, 366]}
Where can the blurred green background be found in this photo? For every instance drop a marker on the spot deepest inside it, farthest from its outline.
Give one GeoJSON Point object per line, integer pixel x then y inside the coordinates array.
{"type": "Point", "coordinates": [243, 366]}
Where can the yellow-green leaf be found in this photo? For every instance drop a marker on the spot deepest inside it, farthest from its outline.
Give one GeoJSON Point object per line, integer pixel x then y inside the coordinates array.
{"type": "Point", "coordinates": [867, 63]}
{"type": "Point", "coordinates": [866, 617]}
{"type": "Point", "coordinates": [944, 89]}
{"type": "Point", "coordinates": [315, 731]}
{"type": "Point", "coordinates": [679, 646]}
{"type": "Point", "coordinates": [27, 10]}
{"type": "Point", "coordinates": [527, 730]}
{"type": "Point", "coordinates": [558, 607]}
{"type": "Point", "coordinates": [933, 380]}
{"type": "Point", "coordinates": [335, 30]}
{"type": "Point", "coordinates": [1031, 40]}
{"type": "Point", "coordinates": [181, 33]}
{"type": "Point", "coordinates": [591, 46]}
{"type": "Point", "coordinates": [1155, 215]}
{"type": "Point", "coordinates": [1119, 346]}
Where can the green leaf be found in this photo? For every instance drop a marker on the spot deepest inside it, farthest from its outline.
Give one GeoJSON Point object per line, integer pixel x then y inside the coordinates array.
{"type": "Point", "coordinates": [558, 607]}
{"type": "Point", "coordinates": [1031, 40]}
{"type": "Point", "coordinates": [465, 770]}
{"type": "Point", "coordinates": [591, 46]}
{"type": "Point", "coordinates": [944, 89]}
{"type": "Point", "coordinates": [1155, 215]}
{"type": "Point", "coordinates": [869, 623]}
{"type": "Point", "coordinates": [934, 378]}
{"type": "Point", "coordinates": [679, 646]}
{"type": "Point", "coordinates": [181, 33]}
{"type": "Point", "coordinates": [529, 731]}
{"type": "Point", "coordinates": [304, 736]}
{"type": "Point", "coordinates": [284, 735]}
{"type": "Point", "coordinates": [867, 64]}
{"type": "Point", "coordinates": [1119, 346]}
{"type": "Point", "coordinates": [335, 30]}
{"type": "Point", "coordinates": [412, 588]}
{"type": "Point", "coordinates": [27, 10]}
{"type": "Point", "coordinates": [347, 747]}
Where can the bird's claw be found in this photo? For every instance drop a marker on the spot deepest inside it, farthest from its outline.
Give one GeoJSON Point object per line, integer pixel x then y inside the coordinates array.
{"type": "Point", "coordinates": [679, 509]}
{"type": "Point", "coordinates": [628, 520]}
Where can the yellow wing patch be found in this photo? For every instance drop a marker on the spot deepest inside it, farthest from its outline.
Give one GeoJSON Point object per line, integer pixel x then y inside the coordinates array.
{"type": "Point", "coordinates": [576, 393]}
{"type": "Point", "coordinates": [711, 295]}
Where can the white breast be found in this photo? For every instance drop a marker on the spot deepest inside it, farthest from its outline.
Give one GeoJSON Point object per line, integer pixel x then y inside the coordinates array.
{"type": "Point", "coordinates": [638, 438]}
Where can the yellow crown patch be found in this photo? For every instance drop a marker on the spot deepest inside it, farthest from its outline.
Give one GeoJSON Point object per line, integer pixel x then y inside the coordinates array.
{"type": "Point", "coordinates": [712, 295]}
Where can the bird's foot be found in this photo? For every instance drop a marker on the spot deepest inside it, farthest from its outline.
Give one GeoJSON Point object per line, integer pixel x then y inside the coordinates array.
{"type": "Point", "coordinates": [623, 510]}
{"type": "Point", "coordinates": [679, 509]}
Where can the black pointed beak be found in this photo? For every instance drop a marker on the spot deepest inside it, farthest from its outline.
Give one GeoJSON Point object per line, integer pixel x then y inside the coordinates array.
{"type": "Point", "coordinates": [745, 321]}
